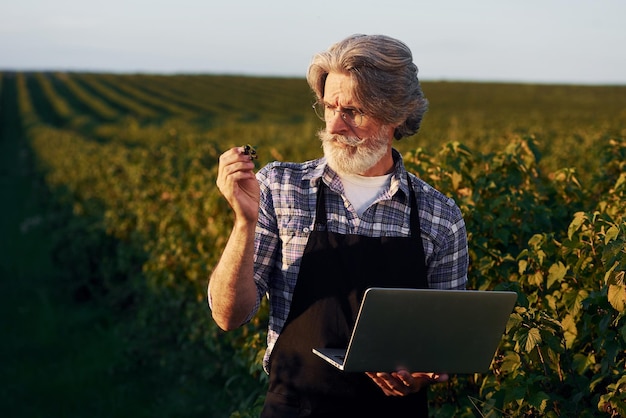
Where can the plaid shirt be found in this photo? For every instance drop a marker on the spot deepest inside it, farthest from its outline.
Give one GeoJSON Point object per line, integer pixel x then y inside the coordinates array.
{"type": "Point", "coordinates": [286, 218]}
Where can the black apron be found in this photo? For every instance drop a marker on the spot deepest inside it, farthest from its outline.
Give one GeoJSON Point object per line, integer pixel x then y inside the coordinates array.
{"type": "Point", "coordinates": [335, 271]}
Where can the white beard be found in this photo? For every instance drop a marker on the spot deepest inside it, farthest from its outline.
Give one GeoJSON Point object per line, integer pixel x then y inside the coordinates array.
{"type": "Point", "coordinates": [351, 155]}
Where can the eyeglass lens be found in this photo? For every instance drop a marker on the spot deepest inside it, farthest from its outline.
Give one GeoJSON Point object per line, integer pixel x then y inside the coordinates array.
{"type": "Point", "coordinates": [351, 116]}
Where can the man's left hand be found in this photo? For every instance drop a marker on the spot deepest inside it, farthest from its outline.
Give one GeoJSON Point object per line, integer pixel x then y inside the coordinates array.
{"type": "Point", "coordinates": [403, 383]}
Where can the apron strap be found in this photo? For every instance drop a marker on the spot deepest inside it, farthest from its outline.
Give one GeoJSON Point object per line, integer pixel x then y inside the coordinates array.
{"type": "Point", "coordinates": [320, 208]}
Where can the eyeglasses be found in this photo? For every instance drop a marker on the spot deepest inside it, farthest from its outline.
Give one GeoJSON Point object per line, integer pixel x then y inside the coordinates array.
{"type": "Point", "coordinates": [352, 117]}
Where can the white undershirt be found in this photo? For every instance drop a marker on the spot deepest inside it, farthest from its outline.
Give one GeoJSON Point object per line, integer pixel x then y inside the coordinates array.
{"type": "Point", "coordinates": [362, 191]}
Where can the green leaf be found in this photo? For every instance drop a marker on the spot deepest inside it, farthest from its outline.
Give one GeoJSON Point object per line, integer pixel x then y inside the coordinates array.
{"type": "Point", "coordinates": [620, 406]}
{"type": "Point", "coordinates": [515, 319]}
{"type": "Point", "coordinates": [621, 383]}
{"type": "Point", "coordinates": [570, 330]}
{"type": "Point", "coordinates": [581, 362]}
{"type": "Point", "coordinates": [574, 300]}
{"type": "Point", "coordinates": [575, 225]}
{"type": "Point", "coordinates": [533, 337]}
{"type": "Point", "coordinates": [609, 274]}
{"type": "Point", "coordinates": [556, 273]}
{"type": "Point", "coordinates": [611, 234]}
{"type": "Point", "coordinates": [535, 240]}
{"type": "Point", "coordinates": [620, 181]}
{"type": "Point", "coordinates": [522, 265]}
{"type": "Point", "coordinates": [541, 255]}
{"type": "Point", "coordinates": [535, 279]}
{"type": "Point", "coordinates": [597, 380]}
{"type": "Point", "coordinates": [456, 178]}
{"type": "Point", "coordinates": [511, 362]}
{"type": "Point", "coordinates": [514, 393]}
{"type": "Point", "coordinates": [617, 297]}
{"type": "Point", "coordinates": [539, 400]}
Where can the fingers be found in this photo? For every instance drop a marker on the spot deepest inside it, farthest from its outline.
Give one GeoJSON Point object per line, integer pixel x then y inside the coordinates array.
{"type": "Point", "coordinates": [384, 382]}
{"type": "Point", "coordinates": [236, 159]}
{"type": "Point", "coordinates": [234, 166]}
{"type": "Point", "coordinates": [439, 378]}
{"type": "Point", "coordinates": [391, 384]}
{"type": "Point", "coordinates": [402, 382]}
{"type": "Point", "coordinates": [239, 154]}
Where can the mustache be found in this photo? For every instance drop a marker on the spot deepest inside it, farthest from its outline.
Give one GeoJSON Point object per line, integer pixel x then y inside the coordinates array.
{"type": "Point", "coordinates": [352, 141]}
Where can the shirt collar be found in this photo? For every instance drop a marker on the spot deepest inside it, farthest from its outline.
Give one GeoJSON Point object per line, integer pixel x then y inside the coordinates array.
{"type": "Point", "coordinates": [321, 170]}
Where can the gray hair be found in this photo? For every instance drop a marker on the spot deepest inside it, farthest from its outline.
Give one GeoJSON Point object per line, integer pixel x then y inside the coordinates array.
{"type": "Point", "coordinates": [383, 75]}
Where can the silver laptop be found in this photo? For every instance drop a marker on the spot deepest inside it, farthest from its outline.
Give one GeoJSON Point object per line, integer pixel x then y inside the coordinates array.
{"type": "Point", "coordinates": [424, 330]}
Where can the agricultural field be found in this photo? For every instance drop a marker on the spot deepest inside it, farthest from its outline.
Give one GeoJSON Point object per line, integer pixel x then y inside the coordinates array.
{"type": "Point", "coordinates": [112, 223]}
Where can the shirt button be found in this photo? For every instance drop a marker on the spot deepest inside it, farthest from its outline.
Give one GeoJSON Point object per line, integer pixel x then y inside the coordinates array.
{"type": "Point", "coordinates": [306, 230]}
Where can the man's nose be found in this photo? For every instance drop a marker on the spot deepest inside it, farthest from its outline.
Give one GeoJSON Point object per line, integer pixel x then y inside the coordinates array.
{"type": "Point", "coordinates": [335, 123]}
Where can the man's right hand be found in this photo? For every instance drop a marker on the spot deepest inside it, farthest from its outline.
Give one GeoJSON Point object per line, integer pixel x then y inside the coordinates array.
{"type": "Point", "coordinates": [237, 182]}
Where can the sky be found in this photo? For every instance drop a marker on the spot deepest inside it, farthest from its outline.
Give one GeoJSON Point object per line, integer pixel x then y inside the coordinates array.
{"type": "Point", "coordinates": [528, 41]}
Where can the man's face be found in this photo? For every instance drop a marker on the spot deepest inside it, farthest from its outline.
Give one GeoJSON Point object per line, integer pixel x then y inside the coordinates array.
{"type": "Point", "coordinates": [364, 149]}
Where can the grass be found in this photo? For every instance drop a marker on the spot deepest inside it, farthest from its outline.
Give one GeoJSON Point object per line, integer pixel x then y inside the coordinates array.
{"type": "Point", "coordinates": [59, 358]}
